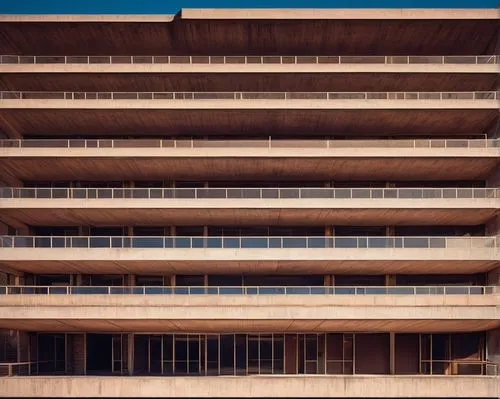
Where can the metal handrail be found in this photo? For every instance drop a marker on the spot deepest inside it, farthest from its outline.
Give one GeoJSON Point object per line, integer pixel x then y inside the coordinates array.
{"type": "Point", "coordinates": [283, 59]}
{"type": "Point", "coordinates": [249, 242]}
{"type": "Point", "coordinates": [248, 193]}
{"type": "Point", "coordinates": [10, 369]}
{"type": "Point", "coordinates": [247, 290]}
{"type": "Point", "coordinates": [238, 95]}
{"type": "Point", "coordinates": [271, 143]}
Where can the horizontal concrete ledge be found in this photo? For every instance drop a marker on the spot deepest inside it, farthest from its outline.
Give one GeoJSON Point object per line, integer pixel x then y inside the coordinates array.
{"type": "Point", "coordinates": [235, 301]}
{"type": "Point", "coordinates": [269, 13]}
{"type": "Point", "coordinates": [87, 17]}
{"type": "Point", "coordinates": [248, 104]}
{"type": "Point", "coordinates": [248, 68]}
{"type": "Point", "coordinates": [229, 307]}
{"type": "Point", "coordinates": [254, 386]}
{"type": "Point", "coordinates": [245, 254]}
{"type": "Point", "coordinates": [339, 13]}
{"type": "Point", "coordinates": [240, 152]}
{"type": "Point", "coordinates": [249, 313]}
{"type": "Point", "coordinates": [250, 203]}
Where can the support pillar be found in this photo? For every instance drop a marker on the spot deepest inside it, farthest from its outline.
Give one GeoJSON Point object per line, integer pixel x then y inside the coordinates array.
{"type": "Point", "coordinates": [130, 354]}
{"type": "Point", "coordinates": [392, 353]}
{"type": "Point", "coordinates": [390, 279]}
{"type": "Point", "coordinates": [22, 339]}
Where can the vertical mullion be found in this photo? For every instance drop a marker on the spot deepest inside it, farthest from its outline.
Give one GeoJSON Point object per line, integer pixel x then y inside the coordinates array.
{"type": "Point", "coordinates": [206, 354]}
{"type": "Point", "coordinates": [272, 353]}
{"type": "Point", "coordinates": [297, 347]}
{"type": "Point", "coordinates": [430, 353]}
{"type": "Point", "coordinates": [161, 355]}
{"type": "Point", "coordinates": [325, 354]}
{"type": "Point", "coordinates": [420, 353]}
{"type": "Point", "coordinates": [173, 354]}
{"type": "Point", "coordinates": [149, 354]}
{"type": "Point", "coordinates": [246, 349]}
{"type": "Point", "coordinates": [353, 353]}
{"type": "Point", "coordinates": [65, 353]}
{"type": "Point", "coordinates": [187, 353]}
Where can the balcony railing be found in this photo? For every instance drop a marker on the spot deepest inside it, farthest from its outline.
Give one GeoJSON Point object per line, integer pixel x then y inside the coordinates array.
{"type": "Point", "coordinates": [61, 95]}
{"type": "Point", "coordinates": [249, 193]}
{"type": "Point", "coordinates": [247, 290]}
{"type": "Point", "coordinates": [244, 242]}
{"type": "Point", "coordinates": [428, 369]}
{"type": "Point", "coordinates": [276, 144]}
{"type": "Point", "coordinates": [16, 368]}
{"type": "Point", "coordinates": [287, 59]}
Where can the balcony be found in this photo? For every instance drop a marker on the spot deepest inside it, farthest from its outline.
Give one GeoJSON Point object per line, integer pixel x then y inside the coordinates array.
{"type": "Point", "coordinates": [420, 159]}
{"type": "Point", "coordinates": [250, 206]}
{"type": "Point", "coordinates": [174, 254]}
{"type": "Point", "coordinates": [249, 100]}
{"type": "Point", "coordinates": [245, 60]}
{"type": "Point", "coordinates": [250, 308]}
{"type": "Point", "coordinates": [249, 73]}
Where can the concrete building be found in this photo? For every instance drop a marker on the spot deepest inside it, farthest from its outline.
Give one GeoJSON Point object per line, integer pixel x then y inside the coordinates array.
{"type": "Point", "coordinates": [250, 203]}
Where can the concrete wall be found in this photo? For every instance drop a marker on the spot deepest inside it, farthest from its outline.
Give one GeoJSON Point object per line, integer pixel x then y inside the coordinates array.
{"type": "Point", "coordinates": [255, 386]}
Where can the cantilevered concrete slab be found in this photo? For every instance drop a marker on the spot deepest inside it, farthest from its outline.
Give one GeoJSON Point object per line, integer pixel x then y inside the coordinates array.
{"type": "Point", "coordinates": [231, 161]}
{"type": "Point", "coordinates": [257, 31]}
{"type": "Point", "coordinates": [248, 212]}
{"type": "Point", "coordinates": [247, 77]}
{"type": "Point", "coordinates": [207, 313]}
{"type": "Point", "coordinates": [86, 121]}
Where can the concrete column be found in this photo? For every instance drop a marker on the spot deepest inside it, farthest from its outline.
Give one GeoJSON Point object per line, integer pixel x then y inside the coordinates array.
{"type": "Point", "coordinates": [493, 226]}
{"type": "Point", "coordinates": [4, 229]}
{"type": "Point", "coordinates": [327, 280]}
{"type": "Point", "coordinates": [78, 279]}
{"type": "Point", "coordinates": [172, 230]}
{"type": "Point", "coordinates": [130, 354]}
{"type": "Point", "coordinates": [205, 280]}
{"type": "Point", "coordinates": [22, 339]}
{"type": "Point", "coordinates": [130, 231]}
{"type": "Point", "coordinates": [392, 353]}
{"type": "Point", "coordinates": [23, 230]}
{"type": "Point", "coordinates": [390, 279]}
{"type": "Point", "coordinates": [131, 280]}
{"type": "Point", "coordinates": [493, 346]}
{"type": "Point", "coordinates": [494, 179]}
{"type": "Point", "coordinates": [172, 281]}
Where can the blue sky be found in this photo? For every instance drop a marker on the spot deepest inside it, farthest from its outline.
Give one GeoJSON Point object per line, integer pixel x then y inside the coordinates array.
{"type": "Point", "coordinates": [172, 6]}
